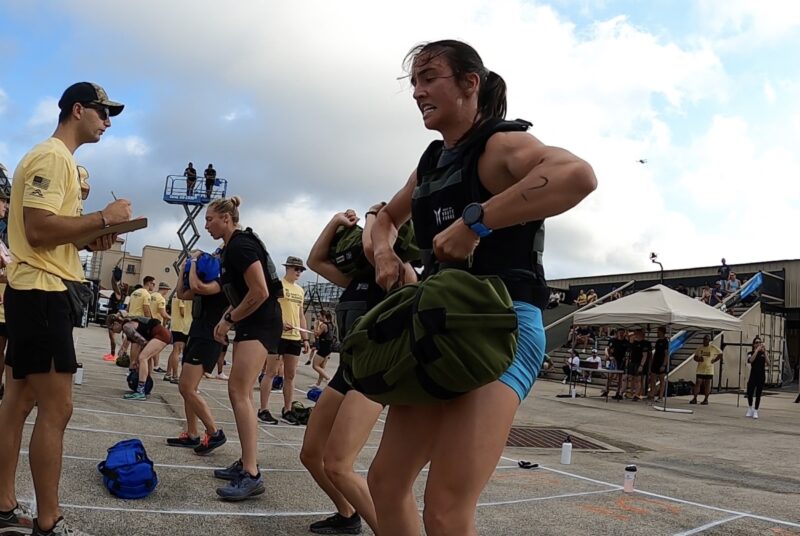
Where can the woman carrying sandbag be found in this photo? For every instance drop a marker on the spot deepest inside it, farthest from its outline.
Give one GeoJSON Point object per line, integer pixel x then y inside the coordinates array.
{"type": "Point", "coordinates": [477, 200]}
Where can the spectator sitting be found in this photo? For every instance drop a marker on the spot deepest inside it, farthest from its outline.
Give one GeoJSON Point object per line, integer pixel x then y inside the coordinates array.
{"type": "Point", "coordinates": [592, 296]}
{"type": "Point", "coordinates": [571, 367]}
{"type": "Point", "coordinates": [593, 361]}
{"type": "Point", "coordinates": [581, 300]}
{"type": "Point", "coordinates": [555, 299]}
{"type": "Point", "coordinates": [547, 365]}
{"type": "Point", "coordinates": [717, 295]}
{"type": "Point", "coordinates": [616, 294]}
{"type": "Point", "coordinates": [583, 336]}
{"type": "Point", "coordinates": [705, 297]}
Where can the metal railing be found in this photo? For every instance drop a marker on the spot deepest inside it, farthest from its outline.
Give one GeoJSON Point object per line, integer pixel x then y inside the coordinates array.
{"type": "Point", "coordinates": [588, 306]}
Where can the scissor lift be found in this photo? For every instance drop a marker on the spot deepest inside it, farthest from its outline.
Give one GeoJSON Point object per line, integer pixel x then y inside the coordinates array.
{"type": "Point", "coordinates": [176, 193]}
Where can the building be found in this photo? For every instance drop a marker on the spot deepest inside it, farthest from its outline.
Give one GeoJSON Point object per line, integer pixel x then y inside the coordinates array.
{"type": "Point", "coordinates": [155, 261]}
{"type": "Point", "coordinates": [779, 294]}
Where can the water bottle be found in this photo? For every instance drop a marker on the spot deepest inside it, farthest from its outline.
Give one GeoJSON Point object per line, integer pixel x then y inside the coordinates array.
{"type": "Point", "coordinates": [77, 378]}
{"type": "Point", "coordinates": [630, 477]}
{"type": "Point", "coordinates": [566, 451]}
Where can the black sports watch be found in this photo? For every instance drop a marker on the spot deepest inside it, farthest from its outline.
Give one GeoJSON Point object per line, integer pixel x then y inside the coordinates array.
{"type": "Point", "coordinates": [227, 318]}
{"type": "Point", "coordinates": [473, 218]}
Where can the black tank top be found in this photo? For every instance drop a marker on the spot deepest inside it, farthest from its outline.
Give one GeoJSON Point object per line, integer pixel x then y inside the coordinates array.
{"type": "Point", "coordinates": [758, 365]}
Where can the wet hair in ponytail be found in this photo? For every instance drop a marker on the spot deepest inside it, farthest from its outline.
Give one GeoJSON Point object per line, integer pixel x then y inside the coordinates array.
{"type": "Point", "coordinates": [464, 60]}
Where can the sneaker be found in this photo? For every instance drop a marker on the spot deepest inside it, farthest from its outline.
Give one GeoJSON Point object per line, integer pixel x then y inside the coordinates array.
{"type": "Point", "coordinates": [749, 412]}
{"type": "Point", "coordinates": [183, 440]}
{"type": "Point", "coordinates": [266, 416]}
{"type": "Point", "coordinates": [617, 397]}
{"type": "Point", "coordinates": [337, 524]}
{"type": "Point", "coordinates": [175, 380]}
{"type": "Point", "coordinates": [167, 378]}
{"type": "Point", "coordinates": [210, 442]}
{"type": "Point", "coordinates": [704, 402]}
{"type": "Point", "coordinates": [136, 395]}
{"type": "Point", "coordinates": [60, 529]}
{"type": "Point", "coordinates": [231, 472]}
{"type": "Point", "coordinates": [693, 401]}
{"type": "Point", "coordinates": [243, 487]}
{"type": "Point", "coordinates": [222, 376]}
{"type": "Point", "coordinates": [159, 370]}
{"type": "Point", "coordinates": [289, 417]}
{"type": "Point", "coordinates": [755, 414]}
{"type": "Point", "coordinates": [564, 381]}
{"type": "Point", "coordinates": [308, 363]}
{"type": "Point", "coordinates": [17, 521]}
{"type": "Point", "coordinates": [208, 375]}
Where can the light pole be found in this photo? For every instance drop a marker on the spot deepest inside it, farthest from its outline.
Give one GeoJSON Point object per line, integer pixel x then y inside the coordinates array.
{"type": "Point", "coordinates": [654, 260]}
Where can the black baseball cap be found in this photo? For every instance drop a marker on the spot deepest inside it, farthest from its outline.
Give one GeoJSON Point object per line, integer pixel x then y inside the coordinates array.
{"type": "Point", "coordinates": [88, 93]}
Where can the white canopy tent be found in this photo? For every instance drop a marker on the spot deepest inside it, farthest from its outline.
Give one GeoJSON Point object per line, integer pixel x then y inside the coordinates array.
{"type": "Point", "coordinates": [659, 305]}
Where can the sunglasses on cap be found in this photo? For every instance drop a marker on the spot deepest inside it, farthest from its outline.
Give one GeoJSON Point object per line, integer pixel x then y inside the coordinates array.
{"type": "Point", "coordinates": [102, 111]}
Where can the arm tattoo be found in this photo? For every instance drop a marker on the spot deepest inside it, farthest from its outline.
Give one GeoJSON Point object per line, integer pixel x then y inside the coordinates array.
{"type": "Point", "coordinates": [129, 330]}
{"type": "Point", "coordinates": [545, 182]}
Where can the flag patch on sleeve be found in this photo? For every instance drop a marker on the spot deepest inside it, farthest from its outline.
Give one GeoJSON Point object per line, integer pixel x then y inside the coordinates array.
{"type": "Point", "coordinates": [41, 182]}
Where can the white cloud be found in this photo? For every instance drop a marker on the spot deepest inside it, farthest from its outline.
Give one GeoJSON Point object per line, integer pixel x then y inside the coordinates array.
{"type": "Point", "coordinates": [45, 113]}
{"type": "Point", "coordinates": [747, 24]}
{"type": "Point", "coordinates": [3, 101]}
{"type": "Point", "coordinates": [769, 92]}
{"type": "Point", "coordinates": [299, 106]}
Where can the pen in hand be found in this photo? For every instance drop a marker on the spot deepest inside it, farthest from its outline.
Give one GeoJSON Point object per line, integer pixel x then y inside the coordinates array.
{"type": "Point", "coordinates": [114, 196]}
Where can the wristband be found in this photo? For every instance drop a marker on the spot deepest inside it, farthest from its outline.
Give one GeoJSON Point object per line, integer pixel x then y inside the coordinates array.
{"type": "Point", "coordinates": [371, 212]}
{"type": "Point", "coordinates": [103, 217]}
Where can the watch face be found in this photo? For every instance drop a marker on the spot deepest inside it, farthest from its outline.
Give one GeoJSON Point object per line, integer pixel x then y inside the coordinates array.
{"type": "Point", "coordinates": [472, 213]}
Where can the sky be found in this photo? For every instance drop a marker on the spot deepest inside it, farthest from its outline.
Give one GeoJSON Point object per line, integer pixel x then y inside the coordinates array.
{"type": "Point", "coordinates": [303, 107]}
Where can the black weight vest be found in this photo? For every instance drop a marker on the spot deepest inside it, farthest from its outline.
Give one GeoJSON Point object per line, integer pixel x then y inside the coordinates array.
{"type": "Point", "coordinates": [274, 285]}
{"type": "Point", "coordinates": [444, 189]}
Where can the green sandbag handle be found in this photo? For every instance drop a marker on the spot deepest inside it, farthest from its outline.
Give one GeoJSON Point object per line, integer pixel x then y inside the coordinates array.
{"type": "Point", "coordinates": [403, 366]}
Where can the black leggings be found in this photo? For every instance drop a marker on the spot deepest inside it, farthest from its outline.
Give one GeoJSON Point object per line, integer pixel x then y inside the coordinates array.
{"type": "Point", "coordinates": [755, 385]}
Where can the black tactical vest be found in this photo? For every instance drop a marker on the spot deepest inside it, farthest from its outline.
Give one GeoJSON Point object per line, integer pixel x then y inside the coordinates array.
{"type": "Point", "coordinates": [448, 183]}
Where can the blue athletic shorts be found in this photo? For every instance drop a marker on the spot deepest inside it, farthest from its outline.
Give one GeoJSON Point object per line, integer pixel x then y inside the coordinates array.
{"type": "Point", "coordinates": [530, 350]}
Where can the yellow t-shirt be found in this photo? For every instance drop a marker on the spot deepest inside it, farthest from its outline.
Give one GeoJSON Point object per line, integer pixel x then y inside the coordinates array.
{"type": "Point", "coordinates": [157, 302]}
{"type": "Point", "coordinates": [47, 179]}
{"type": "Point", "coordinates": [181, 315]}
{"type": "Point", "coordinates": [138, 299]}
{"type": "Point", "coordinates": [707, 353]}
{"type": "Point", "coordinates": [291, 308]}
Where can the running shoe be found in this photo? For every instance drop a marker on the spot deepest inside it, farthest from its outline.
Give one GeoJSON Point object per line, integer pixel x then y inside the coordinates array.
{"type": "Point", "coordinates": [184, 440]}
{"type": "Point", "coordinates": [243, 487]}
{"type": "Point", "coordinates": [17, 521]}
{"type": "Point", "coordinates": [266, 416]}
{"type": "Point", "coordinates": [136, 395]}
{"type": "Point", "coordinates": [221, 376]}
{"type": "Point", "coordinates": [60, 529]}
{"type": "Point", "coordinates": [210, 442]}
{"type": "Point", "coordinates": [289, 417]}
{"type": "Point", "coordinates": [159, 370]}
{"type": "Point", "coordinates": [337, 524]}
{"type": "Point", "coordinates": [231, 472]}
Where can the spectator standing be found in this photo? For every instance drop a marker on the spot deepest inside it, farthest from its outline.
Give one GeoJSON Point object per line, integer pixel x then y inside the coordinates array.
{"type": "Point", "coordinates": [757, 357]}
{"type": "Point", "coordinates": [210, 176]}
{"type": "Point", "coordinates": [658, 365]}
{"type": "Point", "coordinates": [46, 217]}
{"type": "Point", "coordinates": [640, 351]}
{"type": "Point", "coordinates": [732, 285]}
{"type": "Point", "coordinates": [723, 271]}
{"type": "Point", "coordinates": [706, 356]}
{"type": "Point", "coordinates": [191, 179]}
{"type": "Point", "coordinates": [180, 325]}
{"type": "Point", "coordinates": [617, 351]}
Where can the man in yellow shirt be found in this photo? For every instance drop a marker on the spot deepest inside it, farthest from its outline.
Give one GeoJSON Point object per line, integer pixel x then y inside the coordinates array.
{"type": "Point", "coordinates": [706, 356]}
{"type": "Point", "coordinates": [181, 322]}
{"type": "Point", "coordinates": [46, 217]}
{"type": "Point", "coordinates": [140, 299]}
{"type": "Point", "coordinates": [292, 342]}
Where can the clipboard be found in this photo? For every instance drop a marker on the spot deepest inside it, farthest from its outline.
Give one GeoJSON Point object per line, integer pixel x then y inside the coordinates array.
{"type": "Point", "coordinates": [119, 228]}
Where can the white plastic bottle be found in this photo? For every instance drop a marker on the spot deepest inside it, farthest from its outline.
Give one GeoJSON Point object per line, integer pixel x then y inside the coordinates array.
{"type": "Point", "coordinates": [630, 478]}
{"type": "Point", "coordinates": [566, 451]}
{"type": "Point", "coordinates": [78, 376]}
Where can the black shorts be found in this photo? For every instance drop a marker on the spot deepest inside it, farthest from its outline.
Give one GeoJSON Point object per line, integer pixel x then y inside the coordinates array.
{"type": "Point", "coordinates": [338, 383]}
{"type": "Point", "coordinates": [268, 335]}
{"type": "Point", "coordinates": [325, 348]}
{"type": "Point", "coordinates": [655, 368]}
{"type": "Point", "coordinates": [699, 377]}
{"type": "Point", "coordinates": [3, 329]}
{"type": "Point", "coordinates": [633, 368]}
{"type": "Point", "coordinates": [287, 347]}
{"type": "Point", "coordinates": [179, 336]}
{"type": "Point", "coordinates": [39, 324]}
{"type": "Point", "coordinates": [202, 352]}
